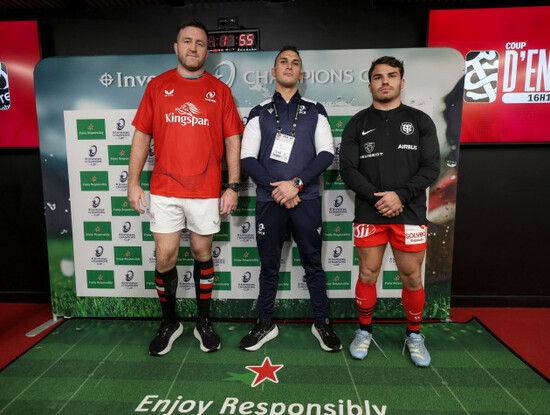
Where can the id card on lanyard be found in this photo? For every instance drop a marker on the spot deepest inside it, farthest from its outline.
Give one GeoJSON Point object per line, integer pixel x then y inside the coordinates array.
{"type": "Point", "coordinates": [282, 147]}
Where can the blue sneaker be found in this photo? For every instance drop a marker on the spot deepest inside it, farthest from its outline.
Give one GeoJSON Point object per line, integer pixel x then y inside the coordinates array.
{"type": "Point", "coordinates": [359, 347]}
{"type": "Point", "coordinates": [417, 349]}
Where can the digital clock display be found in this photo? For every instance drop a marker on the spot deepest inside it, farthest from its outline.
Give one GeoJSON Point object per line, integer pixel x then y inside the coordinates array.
{"type": "Point", "coordinates": [233, 40]}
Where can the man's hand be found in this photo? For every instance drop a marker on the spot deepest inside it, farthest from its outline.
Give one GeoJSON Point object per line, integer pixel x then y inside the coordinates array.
{"type": "Point", "coordinates": [389, 205]}
{"type": "Point", "coordinates": [228, 202]}
{"type": "Point", "coordinates": [135, 196]}
{"type": "Point", "coordinates": [292, 203]}
{"type": "Point", "coordinates": [284, 192]}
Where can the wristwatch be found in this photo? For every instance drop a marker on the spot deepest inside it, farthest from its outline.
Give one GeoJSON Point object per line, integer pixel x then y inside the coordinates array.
{"type": "Point", "coordinates": [298, 183]}
{"type": "Point", "coordinates": [234, 186]}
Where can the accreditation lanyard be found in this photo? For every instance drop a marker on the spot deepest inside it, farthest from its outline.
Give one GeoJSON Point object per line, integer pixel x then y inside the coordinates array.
{"type": "Point", "coordinates": [282, 147]}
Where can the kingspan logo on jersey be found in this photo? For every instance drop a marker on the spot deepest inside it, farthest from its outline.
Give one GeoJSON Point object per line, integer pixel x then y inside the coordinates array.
{"type": "Point", "coordinates": [187, 114]}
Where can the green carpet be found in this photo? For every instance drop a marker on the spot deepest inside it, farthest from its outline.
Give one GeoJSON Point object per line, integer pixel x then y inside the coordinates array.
{"type": "Point", "coordinates": [88, 366]}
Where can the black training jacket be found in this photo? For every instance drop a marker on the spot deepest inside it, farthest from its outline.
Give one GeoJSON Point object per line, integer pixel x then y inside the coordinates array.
{"type": "Point", "coordinates": [390, 150]}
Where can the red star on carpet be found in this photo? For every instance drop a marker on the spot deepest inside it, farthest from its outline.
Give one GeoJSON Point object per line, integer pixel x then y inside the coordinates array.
{"type": "Point", "coordinates": [265, 371]}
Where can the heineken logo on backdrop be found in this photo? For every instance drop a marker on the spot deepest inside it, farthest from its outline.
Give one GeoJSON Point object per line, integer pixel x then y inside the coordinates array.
{"type": "Point", "coordinates": [222, 281]}
{"type": "Point", "coordinates": [100, 279]}
{"type": "Point", "coordinates": [337, 231]}
{"type": "Point", "coordinates": [244, 257]}
{"type": "Point", "coordinates": [94, 181]}
{"type": "Point", "coordinates": [391, 280]}
{"type": "Point", "coordinates": [128, 255]}
{"type": "Point", "coordinates": [97, 231]}
{"type": "Point", "coordinates": [184, 256]}
{"type": "Point", "coordinates": [146, 233]}
{"type": "Point", "coordinates": [119, 155]}
{"type": "Point", "coordinates": [121, 207]}
{"type": "Point", "coordinates": [284, 281]}
{"type": "Point", "coordinates": [332, 180]}
{"type": "Point", "coordinates": [246, 206]}
{"type": "Point", "coordinates": [224, 235]}
{"type": "Point", "coordinates": [93, 129]}
{"type": "Point", "coordinates": [338, 280]}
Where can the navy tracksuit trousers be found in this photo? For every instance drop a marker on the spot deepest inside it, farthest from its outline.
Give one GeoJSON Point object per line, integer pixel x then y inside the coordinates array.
{"type": "Point", "coordinates": [305, 223]}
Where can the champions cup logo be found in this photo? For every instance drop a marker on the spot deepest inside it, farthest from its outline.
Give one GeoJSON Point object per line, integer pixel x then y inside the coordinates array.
{"type": "Point", "coordinates": [98, 251]}
{"type": "Point", "coordinates": [5, 101]}
{"type": "Point", "coordinates": [216, 252]}
{"type": "Point", "coordinates": [337, 252]}
{"type": "Point", "coordinates": [246, 227]}
{"type": "Point", "coordinates": [120, 124]}
{"type": "Point", "coordinates": [337, 149]}
{"type": "Point", "coordinates": [364, 230]}
{"type": "Point", "coordinates": [407, 128]}
{"type": "Point", "coordinates": [188, 114]}
{"type": "Point", "coordinates": [126, 227]}
{"type": "Point", "coordinates": [246, 277]}
{"type": "Point", "coordinates": [123, 176]}
{"type": "Point", "coordinates": [369, 147]}
{"type": "Point", "coordinates": [92, 151]}
{"type": "Point", "coordinates": [480, 82]}
{"type": "Point", "coordinates": [338, 201]}
{"type": "Point", "coordinates": [96, 201]}
{"type": "Point", "coordinates": [129, 275]}
{"type": "Point", "coordinates": [225, 72]}
{"type": "Point", "coordinates": [187, 276]}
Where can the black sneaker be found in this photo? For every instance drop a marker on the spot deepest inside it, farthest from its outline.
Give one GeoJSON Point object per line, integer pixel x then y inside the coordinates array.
{"type": "Point", "coordinates": [328, 339]}
{"type": "Point", "coordinates": [166, 334]}
{"type": "Point", "coordinates": [263, 331]}
{"type": "Point", "coordinates": [205, 334]}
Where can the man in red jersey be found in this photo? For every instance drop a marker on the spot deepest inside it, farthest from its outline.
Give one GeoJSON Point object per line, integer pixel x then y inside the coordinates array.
{"type": "Point", "coordinates": [191, 115]}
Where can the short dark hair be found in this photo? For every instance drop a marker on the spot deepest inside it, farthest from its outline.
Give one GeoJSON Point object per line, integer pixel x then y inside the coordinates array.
{"type": "Point", "coordinates": [288, 47]}
{"type": "Point", "coordinates": [191, 23]}
{"type": "Point", "coordinates": [388, 60]}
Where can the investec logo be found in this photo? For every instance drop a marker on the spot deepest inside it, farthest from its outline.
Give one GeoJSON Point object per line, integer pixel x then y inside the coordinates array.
{"type": "Point", "coordinates": [125, 81]}
{"type": "Point", "coordinates": [188, 113]}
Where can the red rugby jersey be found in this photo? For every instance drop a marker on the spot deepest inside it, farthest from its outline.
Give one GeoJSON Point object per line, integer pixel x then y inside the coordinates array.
{"type": "Point", "coordinates": [188, 120]}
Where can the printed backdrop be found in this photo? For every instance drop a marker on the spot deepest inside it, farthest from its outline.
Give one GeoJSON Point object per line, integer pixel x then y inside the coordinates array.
{"type": "Point", "coordinates": [102, 253]}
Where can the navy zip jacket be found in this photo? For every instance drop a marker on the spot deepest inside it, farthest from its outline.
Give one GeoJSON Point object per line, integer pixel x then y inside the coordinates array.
{"type": "Point", "coordinates": [312, 152]}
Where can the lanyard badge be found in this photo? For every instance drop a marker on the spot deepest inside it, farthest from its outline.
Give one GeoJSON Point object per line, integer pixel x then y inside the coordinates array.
{"type": "Point", "coordinates": [282, 147]}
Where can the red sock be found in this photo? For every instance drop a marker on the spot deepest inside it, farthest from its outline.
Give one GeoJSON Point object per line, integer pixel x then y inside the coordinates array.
{"type": "Point", "coordinates": [365, 297]}
{"type": "Point", "coordinates": [413, 302]}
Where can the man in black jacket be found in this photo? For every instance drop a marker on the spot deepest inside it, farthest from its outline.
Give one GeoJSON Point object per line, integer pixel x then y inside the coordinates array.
{"type": "Point", "coordinates": [389, 156]}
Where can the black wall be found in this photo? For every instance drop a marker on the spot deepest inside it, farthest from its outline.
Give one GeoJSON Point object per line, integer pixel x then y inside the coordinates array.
{"type": "Point", "coordinates": [501, 236]}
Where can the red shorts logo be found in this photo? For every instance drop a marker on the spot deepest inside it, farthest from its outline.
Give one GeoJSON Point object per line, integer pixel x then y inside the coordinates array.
{"type": "Point", "coordinates": [364, 230]}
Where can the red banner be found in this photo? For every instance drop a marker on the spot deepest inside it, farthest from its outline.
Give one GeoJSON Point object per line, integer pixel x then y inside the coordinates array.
{"type": "Point", "coordinates": [507, 72]}
{"type": "Point", "coordinates": [19, 54]}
